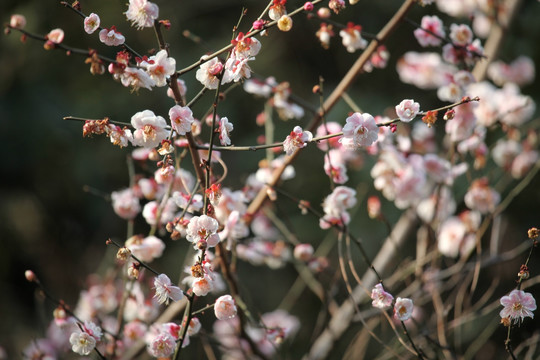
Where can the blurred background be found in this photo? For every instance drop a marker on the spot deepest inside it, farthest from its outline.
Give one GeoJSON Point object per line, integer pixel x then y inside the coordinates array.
{"type": "Point", "coordinates": [49, 224]}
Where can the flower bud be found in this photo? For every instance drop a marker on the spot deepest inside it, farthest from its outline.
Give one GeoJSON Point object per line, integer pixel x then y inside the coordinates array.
{"type": "Point", "coordinates": [285, 23]}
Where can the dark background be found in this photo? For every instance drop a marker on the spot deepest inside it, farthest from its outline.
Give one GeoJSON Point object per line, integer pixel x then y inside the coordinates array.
{"type": "Point", "coordinates": [49, 224]}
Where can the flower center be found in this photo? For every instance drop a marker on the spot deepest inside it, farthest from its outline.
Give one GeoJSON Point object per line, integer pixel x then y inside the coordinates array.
{"type": "Point", "coordinates": [149, 132]}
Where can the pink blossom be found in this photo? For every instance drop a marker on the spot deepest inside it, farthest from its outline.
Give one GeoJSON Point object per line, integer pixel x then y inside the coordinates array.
{"type": "Point", "coordinates": [203, 285]}
{"type": "Point", "coordinates": [330, 127]}
{"type": "Point", "coordinates": [165, 291]}
{"type": "Point", "coordinates": [54, 37]}
{"type": "Point", "coordinates": [381, 299]}
{"type": "Point", "coordinates": [91, 23]}
{"type": "Point", "coordinates": [142, 13]}
{"type": "Point", "coordinates": [149, 129]}
{"type": "Point", "coordinates": [150, 212]}
{"type": "Point", "coordinates": [462, 125]}
{"type": "Point", "coordinates": [360, 130]}
{"type": "Point", "coordinates": [236, 69]}
{"type": "Point", "coordinates": [125, 204]}
{"type": "Point", "coordinates": [145, 249]}
{"type": "Point", "coordinates": [517, 306]}
{"type": "Point", "coordinates": [194, 326]}
{"type": "Point", "coordinates": [93, 330]}
{"type": "Point", "coordinates": [407, 110]}
{"type": "Point", "coordinates": [159, 67]}
{"type": "Point", "coordinates": [523, 163]}
{"type": "Point", "coordinates": [111, 37]}
{"type": "Point", "coordinates": [133, 331]}
{"type": "Point", "coordinates": [181, 119]}
{"type": "Point", "coordinates": [324, 34]}
{"type": "Point", "coordinates": [335, 207]}
{"type": "Point", "coordinates": [481, 196]}
{"type": "Point", "coordinates": [297, 139]}
{"type": "Point", "coordinates": [334, 166]}
{"type": "Point", "coordinates": [351, 38]}
{"type": "Point", "coordinates": [514, 108]}
{"type": "Point", "coordinates": [521, 71]}
{"type": "Point", "coordinates": [434, 25]}
{"type": "Point", "coordinates": [424, 70]}
{"type": "Point", "coordinates": [181, 87]}
{"type": "Point", "coordinates": [451, 235]}
{"type": "Point", "coordinates": [120, 136]}
{"type": "Point", "coordinates": [136, 78]}
{"type": "Point", "coordinates": [17, 21]}
{"type": "Point", "coordinates": [403, 309]}
{"type": "Point", "coordinates": [277, 10]}
{"type": "Point", "coordinates": [303, 252]}
{"type": "Point", "coordinates": [208, 73]}
{"type": "Point", "coordinates": [225, 307]}
{"type": "Point", "coordinates": [461, 35]}
{"type": "Point", "coordinates": [202, 229]}
{"type": "Point", "coordinates": [225, 128]}
{"type": "Point", "coordinates": [161, 345]}
{"type": "Point", "coordinates": [505, 151]}
{"type": "Point", "coordinates": [245, 47]}
{"type": "Point", "coordinates": [82, 343]}
{"type": "Point", "coordinates": [336, 5]}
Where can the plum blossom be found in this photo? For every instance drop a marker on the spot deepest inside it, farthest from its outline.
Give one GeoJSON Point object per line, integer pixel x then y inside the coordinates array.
{"type": "Point", "coordinates": [194, 326]}
{"type": "Point", "coordinates": [149, 129]}
{"type": "Point", "coordinates": [403, 309]}
{"type": "Point", "coordinates": [55, 36]}
{"type": "Point", "coordinates": [91, 23]}
{"type": "Point", "coordinates": [236, 69]}
{"type": "Point", "coordinates": [82, 343]}
{"type": "Point", "coordinates": [245, 46]}
{"type": "Point", "coordinates": [120, 136]}
{"type": "Point", "coordinates": [521, 71]}
{"type": "Point", "coordinates": [277, 10]}
{"type": "Point", "coordinates": [181, 119]}
{"type": "Point", "coordinates": [360, 130]}
{"type": "Point", "coordinates": [165, 291]}
{"type": "Point", "coordinates": [434, 26]}
{"type": "Point", "coordinates": [303, 252]}
{"type": "Point", "coordinates": [457, 234]}
{"type": "Point", "coordinates": [136, 78]}
{"type": "Point", "coordinates": [161, 345]}
{"type": "Point", "coordinates": [225, 128]}
{"type": "Point", "coordinates": [208, 73]}
{"type": "Point", "coordinates": [125, 203]}
{"type": "Point", "coordinates": [381, 299]}
{"type": "Point", "coordinates": [17, 21]}
{"type": "Point", "coordinates": [424, 70]}
{"type": "Point", "coordinates": [111, 37]}
{"type": "Point", "coordinates": [407, 110]}
{"type": "Point", "coordinates": [145, 249]}
{"type": "Point", "coordinates": [142, 13]}
{"type": "Point", "coordinates": [225, 307]}
{"type": "Point", "coordinates": [518, 305]}
{"type": "Point", "coordinates": [324, 34]}
{"type": "Point", "coordinates": [133, 331]}
{"type": "Point", "coordinates": [334, 166]}
{"type": "Point", "coordinates": [461, 35]}
{"type": "Point", "coordinates": [181, 87]}
{"type": "Point", "coordinates": [297, 139]}
{"type": "Point", "coordinates": [481, 196]}
{"type": "Point", "coordinates": [202, 229]}
{"type": "Point", "coordinates": [351, 37]}
{"type": "Point", "coordinates": [159, 67]}
{"type": "Point", "coordinates": [335, 207]}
